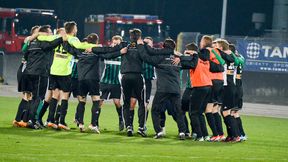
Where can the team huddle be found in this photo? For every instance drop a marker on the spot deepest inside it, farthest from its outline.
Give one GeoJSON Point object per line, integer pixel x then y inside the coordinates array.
{"type": "Point", "coordinates": [54, 67]}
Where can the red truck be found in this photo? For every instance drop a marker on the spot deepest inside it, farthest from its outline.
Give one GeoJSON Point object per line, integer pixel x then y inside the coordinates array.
{"type": "Point", "coordinates": [109, 25]}
{"type": "Point", "coordinates": [15, 25]}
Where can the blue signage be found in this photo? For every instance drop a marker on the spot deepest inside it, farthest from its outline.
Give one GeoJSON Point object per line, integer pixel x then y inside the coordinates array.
{"type": "Point", "coordinates": [264, 56]}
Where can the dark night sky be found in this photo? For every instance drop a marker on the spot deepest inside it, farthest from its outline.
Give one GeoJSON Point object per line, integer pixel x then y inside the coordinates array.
{"type": "Point", "coordinates": [183, 15]}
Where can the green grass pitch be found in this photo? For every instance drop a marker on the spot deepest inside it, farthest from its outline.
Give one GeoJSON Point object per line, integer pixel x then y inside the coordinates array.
{"type": "Point", "coordinates": [267, 141]}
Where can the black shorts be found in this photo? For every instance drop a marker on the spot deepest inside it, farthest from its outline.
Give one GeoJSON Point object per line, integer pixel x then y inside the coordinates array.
{"type": "Point", "coordinates": [60, 82]}
{"type": "Point", "coordinates": [228, 97]}
{"type": "Point", "coordinates": [238, 95]}
{"type": "Point", "coordinates": [29, 82]}
{"type": "Point", "coordinates": [90, 87]}
{"type": "Point", "coordinates": [34, 84]}
{"type": "Point", "coordinates": [110, 91]}
{"type": "Point", "coordinates": [75, 87]}
{"type": "Point", "coordinates": [217, 92]}
{"type": "Point", "coordinates": [186, 99]}
{"type": "Point", "coordinates": [199, 99]}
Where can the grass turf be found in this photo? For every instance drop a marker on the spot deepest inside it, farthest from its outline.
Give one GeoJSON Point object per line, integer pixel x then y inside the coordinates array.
{"type": "Point", "coordinates": [267, 141]}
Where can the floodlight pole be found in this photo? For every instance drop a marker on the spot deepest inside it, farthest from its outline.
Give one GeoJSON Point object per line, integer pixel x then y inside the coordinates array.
{"type": "Point", "coordinates": [223, 23]}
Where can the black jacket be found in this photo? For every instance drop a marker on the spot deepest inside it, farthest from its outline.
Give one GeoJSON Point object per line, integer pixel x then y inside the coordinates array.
{"type": "Point", "coordinates": [228, 58]}
{"type": "Point", "coordinates": [39, 55]}
{"type": "Point", "coordinates": [168, 75]}
{"type": "Point", "coordinates": [88, 64]}
{"type": "Point", "coordinates": [189, 62]}
{"type": "Point", "coordinates": [131, 62]}
{"type": "Point", "coordinates": [158, 51]}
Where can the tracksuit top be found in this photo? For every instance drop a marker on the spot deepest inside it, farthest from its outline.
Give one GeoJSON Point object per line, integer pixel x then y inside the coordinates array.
{"type": "Point", "coordinates": [38, 56]}
{"type": "Point", "coordinates": [132, 62]}
{"type": "Point", "coordinates": [168, 75]}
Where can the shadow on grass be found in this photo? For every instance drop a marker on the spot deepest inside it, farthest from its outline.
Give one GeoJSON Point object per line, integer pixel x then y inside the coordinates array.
{"type": "Point", "coordinates": [106, 137]}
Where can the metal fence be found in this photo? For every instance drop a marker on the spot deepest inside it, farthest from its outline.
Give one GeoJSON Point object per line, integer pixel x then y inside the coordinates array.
{"type": "Point", "coordinates": [9, 64]}
{"type": "Point", "coordinates": [2, 67]}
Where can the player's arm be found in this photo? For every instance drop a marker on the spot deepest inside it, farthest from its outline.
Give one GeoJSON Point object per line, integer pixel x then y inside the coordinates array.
{"type": "Point", "coordinates": [226, 57]}
{"type": "Point", "coordinates": [46, 45]}
{"type": "Point", "coordinates": [218, 57]}
{"type": "Point", "coordinates": [189, 62]}
{"type": "Point", "coordinates": [113, 55]}
{"type": "Point", "coordinates": [25, 46]}
{"type": "Point", "coordinates": [25, 56]}
{"type": "Point", "coordinates": [152, 60]}
{"type": "Point", "coordinates": [241, 59]}
{"type": "Point", "coordinates": [105, 50]}
{"type": "Point", "coordinates": [28, 40]}
{"type": "Point", "coordinates": [47, 38]}
{"type": "Point", "coordinates": [216, 68]}
{"type": "Point", "coordinates": [75, 42]}
{"type": "Point", "coordinates": [158, 51]}
{"type": "Point", "coordinates": [70, 49]}
{"type": "Point", "coordinates": [236, 60]}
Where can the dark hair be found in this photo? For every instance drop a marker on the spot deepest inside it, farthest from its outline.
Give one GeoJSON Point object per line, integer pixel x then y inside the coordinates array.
{"type": "Point", "coordinates": [150, 38]}
{"type": "Point", "coordinates": [232, 48]}
{"type": "Point", "coordinates": [135, 34]}
{"type": "Point", "coordinates": [69, 26]}
{"type": "Point", "coordinates": [192, 46]}
{"type": "Point", "coordinates": [169, 43]}
{"type": "Point", "coordinates": [44, 28]}
{"type": "Point", "coordinates": [34, 28]}
{"type": "Point", "coordinates": [92, 38]}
